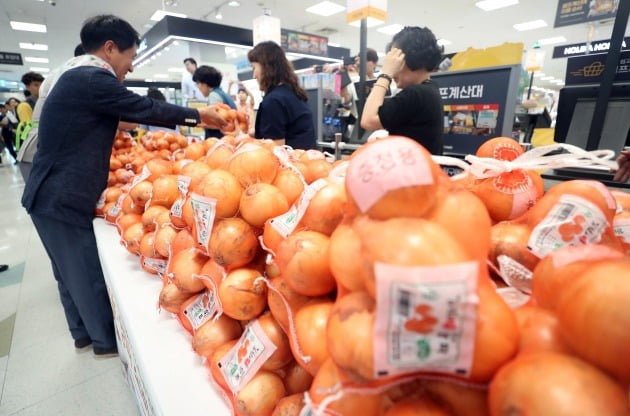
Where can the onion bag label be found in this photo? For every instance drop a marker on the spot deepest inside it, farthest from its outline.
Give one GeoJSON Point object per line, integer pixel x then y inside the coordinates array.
{"type": "Point", "coordinates": [183, 182]}
{"type": "Point", "coordinates": [204, 210]}
{"type": "Point", "coordinates": [202, 309]}
{"type": "Point", "coordinates": [515, 274]}
{"type": "Point", "coordinates": [244, 360]}
{"type": "Point", "coordinates": [385, 166]}
{"type": "Point", "coordinates": [117, 207]}
{"type": "Point", "coordinates": [622, 229]}
{"type": "Point", "coordinates": [571, 221]}
{"type": "Point", "coordinates": [144, 174]}
{"type": "Point", "coordinates": [426, 319]}
{"type": "Point", "coordinates": [514, 298]}
{"type": "Point", "coordinates": [157, 265]}
{"type": "Point", "coordinates": [524, 194]}
{"type": "Point", "coordinates": [285, 224]}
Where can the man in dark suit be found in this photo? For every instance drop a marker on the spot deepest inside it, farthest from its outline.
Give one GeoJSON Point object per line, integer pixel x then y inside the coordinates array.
{"type": "Point", "coordinates": [70, 169]}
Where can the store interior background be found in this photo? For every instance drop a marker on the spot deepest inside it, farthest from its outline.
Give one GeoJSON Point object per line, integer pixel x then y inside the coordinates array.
{"type": "Point", "coordinates": [459, 24]}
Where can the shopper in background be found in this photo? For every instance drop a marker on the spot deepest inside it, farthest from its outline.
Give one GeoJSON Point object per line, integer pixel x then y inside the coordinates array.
{"type": "Point", "coordinates": [32, 81]}
{"type": "Point", "coordinates": [623, 173]}
{"type": "Point", "coordinates": [29, 145]}
{"type": "Point", "coordinates": [349, 92]}
{"type": "Point", "coordinates": [245, 104]}
{"type": "Point", "coordinates": [70, 169]}
{"type": "Point", "coordinates": [155, 94]}
{"type": "Point", "coordinates": [283, 114]}
{"type": "Point", "coordinates": [3, 123]}
{"type": "Point", "coordinates": [416, 111]}
{"type": "Point", "coordinates": [8, 131]}
{"type": "Point", "coordinates": [4, 267]}
{"type": "Point", "coordinates": [189, 88]}
{"type": "Point", "coordinates": [208, 80]}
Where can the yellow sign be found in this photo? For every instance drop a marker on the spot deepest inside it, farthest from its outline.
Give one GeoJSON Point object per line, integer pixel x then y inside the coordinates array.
{"type": "Point", "coordinates": [362, 9]}
{"type": "Point", "coordinates": [534, 60]}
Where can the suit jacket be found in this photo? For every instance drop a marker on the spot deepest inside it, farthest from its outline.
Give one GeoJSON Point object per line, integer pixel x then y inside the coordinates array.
{"type": "Point", "coordinates": [76, 134]}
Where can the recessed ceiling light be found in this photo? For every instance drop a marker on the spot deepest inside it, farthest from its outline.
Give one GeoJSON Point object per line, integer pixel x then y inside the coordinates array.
{"type": "Point", "coordinates": [159, 15]}
{"type": "Point", "coordinates": [234, 3]}
{"type": "Point", "coordinates": [326, 8]}
{"type": "Point", "coordinates": [34, 46]}
{"type": "Point", "coordinates": [551, 41]}
{"type": "Point", "coordinates": [391, 29]}
{"type": "Point", "coordinates": [160, 75]}
{"type": "Point", "coordinates": [444, 42]}
{"type": "Point", "coordinates": [218, 16]}
{"type": "Point", "coordinates": [488, 5]}
{"type": "Point", "coordinates": [176, 70]}
{"type": "Point", "coordinates": [534, 24]}
{"type": "Point", "coordinates": [29, 27]}
{"type": "Point", "coordinates": [538, 75]}
{"type": "Point", "coordinates": [36, 60]}
{"type": "Point", "coordinates": [39, 69]}
{"type": "Point", "coordinates": [546, 78]}
{"type": "Point", "coordinates": [371, 22]}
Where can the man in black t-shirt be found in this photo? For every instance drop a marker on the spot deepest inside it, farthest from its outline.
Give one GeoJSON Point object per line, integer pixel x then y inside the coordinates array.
{"type": "Point", "coordinates": [416, 111]}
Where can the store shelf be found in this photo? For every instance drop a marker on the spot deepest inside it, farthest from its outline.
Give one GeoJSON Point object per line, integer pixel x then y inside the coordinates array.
{"type": "Point", "coordinates": [163, 371]}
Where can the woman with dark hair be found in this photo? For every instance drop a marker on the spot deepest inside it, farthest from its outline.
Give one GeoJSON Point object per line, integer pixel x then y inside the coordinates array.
{"type": "Point", "coordinates": [416, 111]}
{"type": "Point", "coordinates": [283, 114]}
{"type": "Point", "coordinates": [208, 80]}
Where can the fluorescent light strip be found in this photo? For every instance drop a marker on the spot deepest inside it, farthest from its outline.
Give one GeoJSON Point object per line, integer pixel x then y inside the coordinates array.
{"type": "Point", "coordinates": [390, 29]}
{"type": "Point", "coordinates": [36, 60]}
{"type": "Point", "coordinates": [551, 41]}
{"type": "Point", "coordinates": [28, 27]}
{"type": "Point", "coordinates": [546, 78]}
{"type": "Point", "coordinates": [539, 75]}
{"type": "Point", "coordinates": [488, 5]}
{"type": "Point", "coordinates": [534, 24]}
{"type": "Point", "coordinates": [39, 69]}
{"type": "Point", "coordinates": [34, 46]}
{"type": "Point", "coordinates": [444, 42]}
{"type": "Point", "coordinates": [160, 75]}
{"type": "Point", "coordinates": [326, 8]}
{"type": "Point", "coordinates": [159, 15]}
{"type": "Point", "coordinates": [176, 70]}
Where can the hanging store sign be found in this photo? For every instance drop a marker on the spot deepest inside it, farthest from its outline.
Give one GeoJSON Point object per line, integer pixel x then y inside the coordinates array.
{"type": "Point", "coordinates": [577, 49]}
{"type": "Point", "coordinates": [589, 69]}
{"type": "Point", "coordinates": [298, 42]}
{"type": "Point", "coordinates": [362, 9]}
{"type": "Point", "coordinates": [572, 12]}
{"type": "Point", "coordinates": [10, 58]}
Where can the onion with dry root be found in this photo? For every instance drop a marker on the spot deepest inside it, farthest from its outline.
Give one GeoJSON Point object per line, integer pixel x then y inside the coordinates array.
{"type": "Point", "coordinates": [243, 295]}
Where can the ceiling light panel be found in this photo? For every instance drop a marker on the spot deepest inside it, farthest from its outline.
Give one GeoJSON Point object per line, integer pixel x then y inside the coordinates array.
{"type": "Point", "coordinates": [444, 42]}
{"type": "Point", "coordinates": [326, 8]}
{"type": "Point", "coordinates": [551, 41]}
{"type": "Point", "coordinates": [28, 27]}
{"type": "Point", "coordinates": [36, 60]}
{"type": "Point", "coordinates": [534, 24]}
{"type": "Point", "coordinates": [39, 69]}
{"type": "Point", "coordinates": [34, 46]}
{"type": "Point", "coordinates": [391, 29]}
{"type": "Point", "coordinates": [488, 5]}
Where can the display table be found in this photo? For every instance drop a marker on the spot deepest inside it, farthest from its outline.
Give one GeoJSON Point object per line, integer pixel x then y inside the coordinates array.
{"type": "Point", "coordinates": [164, 373]}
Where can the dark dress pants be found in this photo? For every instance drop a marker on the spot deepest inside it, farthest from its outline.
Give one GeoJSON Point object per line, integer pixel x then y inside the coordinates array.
{"type": "Point", "coordinates": [77, 269]}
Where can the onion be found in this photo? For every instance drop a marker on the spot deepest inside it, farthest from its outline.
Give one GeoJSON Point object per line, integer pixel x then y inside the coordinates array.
{"type": "Point", "coordinates": [303, 261]}
{"type": "Point", "coordinates": [253, 166]}
{"type": "Point", "coordinates": [214, 334]}
{"type": "Point", "coordinates": [540, 331]}
{"type": "Point", "coordinates": [393, 177]}
{"type": "Point", "coordinates": [213, 363]}
{"type": "Point", "coordinates": [317, 169]}
{"type": "Point", "coordinates": [128, 207]}
{"type": "Point", "coordinates": [213, 271]}
{"type": "Point", "coordinates": [115, 164]}
{"type": "Point", "coordinates": [290, 184]}
{"type": "Point", "coordinates": [261, 202]}
{"type": "Point", "coordinates": [296, 379]}
{"type": "Point", "coordinates": [328, 380]}
{"type": "Point", "coordinates": [594, 316]}
{"type": "Point", "coordinates": [220, 157]}
{"type": "Point", "coordinates": [242, 295]}
{"type": "Point", "coordinates": [149, 217]}
{"type": "Point", "coordinates": [165, 191]}
{"type": "Point", "coordinates": [233, 243]}
{"type": "Point", "coordinates": [549, 384]}
{"type": "Point", "coordinates": [325, 211]}
{"type": "Point", "coordinates": [132, 237]}
{"type": "Point", "coordinates": [558, 269]}
{"type": "Point", "coordinates": [163, 240]}
{"type": "Point", "coordinates": [158, 167]}
{"type": "Point", "coordinates": [500, 148]}
{"type": "Point", "coordinates": [623, 199]}
{"type": "Point", "coordinates": [260, 395]}
{"type": "Point", "coordinates": [163, 218]}
{"type": "Point", "coordinates": [182, 267]}
{"type": "Point", "coordinates": [277, 306]}
{"type": "Point", "coordinates": [178, 166]}
{"type": "Point", "coordinates": [310, 329]}
{"type": "Point", "coordinates": [289, 406]}
{"type": "Point", "coordinates": [171, 298]}
{"type": "Point", "coordinates": [123, 175]}
{"type": "Point", "coordinates": [282, 355]}
{"type": "Point", "coordinates": [194, 151]}
{"type": "Point", "coordinates": [510, 239]}
{"type": "Point", "coordinates": [421, 406]}
{"type": "Point", "coordinates": [461, 400]}
{"type": "Point", "coordinates": [112, 194]}
{"type": "Point", "coordinates": [224, 187]}
{"type": "Point", "coordinates": [146, 245]}
{"type": "Point", "coordinates": [126, 220]}
{"type": "Point", "coordinates": [196, 171]}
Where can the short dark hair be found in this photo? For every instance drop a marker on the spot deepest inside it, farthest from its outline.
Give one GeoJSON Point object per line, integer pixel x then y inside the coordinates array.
{"type": "Point", "coordinates": [12, 99]}
{"type": "Point", "coordinates": [32, 77]}
{"type": "Point", "coordinates": [276, 68]}
{"type": "Point", "coordinates": [208, 75]}
{"type": "Point", "coordinates": [99, 29]}
{"type": "Point", "coordinates": [191, 60]}
{"type": "Point", "coordinates": [78, 51]}
{"type": "Point", "coordinates": [155, 94]}
{"type": "Point", "coordinates": [372, 55]}
{"type": "Point", "coordinates": [419, 46]}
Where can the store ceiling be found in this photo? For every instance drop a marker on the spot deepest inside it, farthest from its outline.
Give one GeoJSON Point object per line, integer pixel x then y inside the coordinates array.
{"type": "Point", "coordinates": [458, 21]}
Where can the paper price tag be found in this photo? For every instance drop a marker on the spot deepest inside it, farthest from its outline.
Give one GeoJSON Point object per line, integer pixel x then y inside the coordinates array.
{"type": "Point", "coordinates": [204, 211]}
{"type": "Point", "coordinates": [385, 166]}
{"type": "Point", "coordinates": [183, 182]}
{"type": "Point", "coordinates": [286, 223]}
{"type": "Point", "coordinates": [426, 320]}
{"type": "Point", "coordinates": [622, 229]}
{"type": "Point", "coordinates": [157, 265]}
{"type": "Point", "coordinates": [244, 360]}
{"type": "Point", "coordinates": [571, 221]}
{"type": "Point", "coordinates": [202, 309]}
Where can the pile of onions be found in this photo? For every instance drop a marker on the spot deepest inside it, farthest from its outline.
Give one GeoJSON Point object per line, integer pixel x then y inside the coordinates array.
{"type": "Point", "coordinates": [225, 188]}
{"type": "Point", "coordinates": [290, 184]}
{"type": "Point", "coordinates": [253, 165]}
{"type": "Point", "coordinates": [260, 202]}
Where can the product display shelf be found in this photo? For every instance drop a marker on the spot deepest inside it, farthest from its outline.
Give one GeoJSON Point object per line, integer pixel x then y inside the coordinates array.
{"type": "Point", "coordinates": [163, 372]}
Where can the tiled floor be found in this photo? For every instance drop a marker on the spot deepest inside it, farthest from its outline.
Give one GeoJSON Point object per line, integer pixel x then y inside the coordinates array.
{"type": "Point", "coordinates": [40, 372]}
